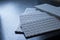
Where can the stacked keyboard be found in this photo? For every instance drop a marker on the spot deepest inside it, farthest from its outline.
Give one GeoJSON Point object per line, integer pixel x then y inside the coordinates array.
{"type": "Point", "coordinates": [35, 22]}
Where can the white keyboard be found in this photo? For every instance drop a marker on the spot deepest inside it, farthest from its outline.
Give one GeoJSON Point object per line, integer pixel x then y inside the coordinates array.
{"type": "Point", "coordinates": [49, 8]}
{"type": "Point", "coordinates": [37, 23]}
